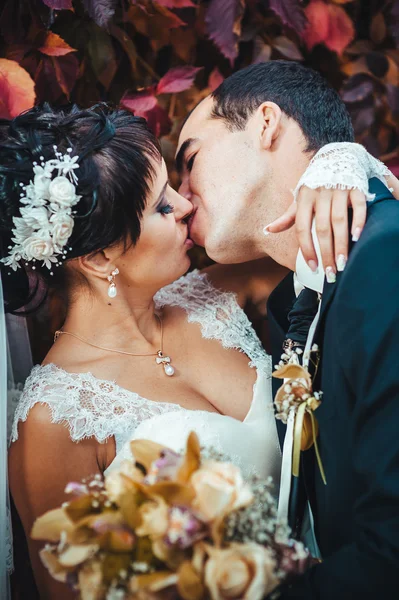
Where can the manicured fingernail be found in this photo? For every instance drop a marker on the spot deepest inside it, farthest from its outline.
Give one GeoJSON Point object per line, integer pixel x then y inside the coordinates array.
{"type": "Point", "coordinates": [330, 275]}
{"type": "Point", "coordinates": [341, 262]}
{"type": "Point", "coordinates": [266, 230]}
{"type": "Point", "coordinates": [313, 265]}
{"type": "Point", "coordinates": [356, 234]}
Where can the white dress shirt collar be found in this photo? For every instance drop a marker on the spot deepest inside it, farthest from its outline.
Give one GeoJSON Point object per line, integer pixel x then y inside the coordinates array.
{"type": "Point", "coordinates": [304, 276]}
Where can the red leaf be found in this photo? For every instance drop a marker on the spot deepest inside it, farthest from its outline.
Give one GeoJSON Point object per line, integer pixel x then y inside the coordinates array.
{"type": "Point", "coordinates": [223, 24]}
{"type": "Point", "coordinates": [17, 89]}
{"type": "Point", "coordinates": [290, 12]}
{"type": "Point", "coordinates": [215, 79]}
{"type": "Point", "coordinates": [54, 45]}
{"type": "Point", "coordinates": [328, 25]}
{"type": "Point", "coordinates": [140, 102]}
{"type": "Point", "coordinates": [158, 121]}
{"type": "Point", "coordinates": [59, 4]}
{"type": "Point", "coordinates": [175, 3]}
{"type": "Point", "coordinates": [56, 76]}
{"type": "Point", "coordinates": [144, 104]}
{"type": "Point", "coordinates": [177, 80]}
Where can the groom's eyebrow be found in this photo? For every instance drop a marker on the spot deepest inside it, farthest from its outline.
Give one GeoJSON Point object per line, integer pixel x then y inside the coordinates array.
{"type": "Point", "coordinates": [182, 151]}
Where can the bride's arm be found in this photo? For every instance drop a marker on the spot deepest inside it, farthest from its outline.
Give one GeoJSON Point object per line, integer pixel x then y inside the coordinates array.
{"type": "Point", "coordinates": [337, 177]}
{"type": "Point", "coordinates": [41, 462]}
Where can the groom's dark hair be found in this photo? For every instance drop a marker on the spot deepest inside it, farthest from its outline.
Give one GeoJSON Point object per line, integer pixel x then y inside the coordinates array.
{"type": "Point", "coordinates": [300, 92]}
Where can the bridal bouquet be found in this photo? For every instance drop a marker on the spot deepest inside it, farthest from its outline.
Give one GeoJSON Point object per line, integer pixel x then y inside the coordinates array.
{"type": "Point", "coordinates": [168, 525]}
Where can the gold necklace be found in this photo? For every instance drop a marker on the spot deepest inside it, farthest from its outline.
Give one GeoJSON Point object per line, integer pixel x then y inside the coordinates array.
{"type": "Point", "coordinates": [160, 358]}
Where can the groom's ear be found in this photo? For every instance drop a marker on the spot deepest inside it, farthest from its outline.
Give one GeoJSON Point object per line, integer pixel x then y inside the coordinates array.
{"type": "Point", "coordinates": [269, 118]}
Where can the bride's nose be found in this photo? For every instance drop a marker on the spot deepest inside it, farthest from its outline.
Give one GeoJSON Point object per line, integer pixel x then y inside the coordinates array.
{"type": "Point", "coordinates": [184, 188]}
{"type": "Point", "coordinates": [182, 207]}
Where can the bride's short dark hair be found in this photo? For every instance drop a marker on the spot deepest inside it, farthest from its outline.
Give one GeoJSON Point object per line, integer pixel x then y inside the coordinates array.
{"type": "Point", "coordinates": [116, 153]}
{"type": "Point", "coordinates": [300, 92]}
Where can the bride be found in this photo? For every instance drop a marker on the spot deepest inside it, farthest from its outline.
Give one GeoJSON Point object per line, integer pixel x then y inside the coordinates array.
{"type": "Point", "coordinates": [145, 350]}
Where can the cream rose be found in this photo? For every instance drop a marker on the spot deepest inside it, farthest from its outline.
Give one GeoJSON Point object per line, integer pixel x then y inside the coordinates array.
{"type": "Point", "coordinates": [154, 519]}
{"type": "Point", "coordinates": [242, 571]}
{"type": "Point", "coordinates": [219, 489]}
{"type": "Point", "coordinates": [62, 228]}
{"type": "Point", "coordinates": [117, 482]}
{"type": "Point", "coordinates": [62, 192]}
{"type": "Point", "coordinates": [38, 247]}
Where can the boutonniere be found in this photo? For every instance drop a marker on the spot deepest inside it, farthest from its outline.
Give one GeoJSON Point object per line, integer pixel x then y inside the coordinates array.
{"type": "Point", "coordinates": [296, 397]}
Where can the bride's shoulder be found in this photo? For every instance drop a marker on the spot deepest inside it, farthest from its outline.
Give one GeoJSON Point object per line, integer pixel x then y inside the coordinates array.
{"type": "Point", "coordinates": [79, 401]}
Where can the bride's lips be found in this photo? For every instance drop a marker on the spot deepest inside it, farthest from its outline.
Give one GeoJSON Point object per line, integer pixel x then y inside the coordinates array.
{"type": "Point", "coordinates": [188, 241]}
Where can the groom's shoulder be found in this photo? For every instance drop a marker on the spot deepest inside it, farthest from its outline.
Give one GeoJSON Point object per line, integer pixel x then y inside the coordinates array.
{"type": "Point", "coordinates": [382, 222]}
{"type": "Point", "coordinates": [379, 241]}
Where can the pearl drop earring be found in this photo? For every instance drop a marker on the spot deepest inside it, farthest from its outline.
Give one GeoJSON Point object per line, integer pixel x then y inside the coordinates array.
{"type": "Point", "coordinates": [112, 291]}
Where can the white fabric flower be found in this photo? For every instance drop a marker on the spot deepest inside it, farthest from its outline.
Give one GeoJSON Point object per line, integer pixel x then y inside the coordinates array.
{"type": "Point", "coordinates": [62, 228]}
{"type": "Point", "coordinates": [45, 223]}
{"type": "Point", "coordinates": [36, 217]}
{"type": "Point", "coordinates": [38, 247]}
{"type": "Point", "coordinates": [62, 192]}
{"type": "Point", "coordinates": [41, 183]}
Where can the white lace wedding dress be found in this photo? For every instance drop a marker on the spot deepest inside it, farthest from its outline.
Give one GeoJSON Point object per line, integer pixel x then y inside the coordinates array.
{"type": "Point", "coordinates": [94, 407]}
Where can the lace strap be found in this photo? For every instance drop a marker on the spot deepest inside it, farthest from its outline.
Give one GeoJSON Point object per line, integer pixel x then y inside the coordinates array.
{"type": "Point", "coordinates": [89, 407]}
{"type": "Point", "coordinates": [344, 166]}
{"type": "Point", "coordinates": [218, 313]}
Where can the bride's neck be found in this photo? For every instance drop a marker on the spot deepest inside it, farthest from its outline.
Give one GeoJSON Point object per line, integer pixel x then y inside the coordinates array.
{"type": "Point", "coordinates": [126, 322]}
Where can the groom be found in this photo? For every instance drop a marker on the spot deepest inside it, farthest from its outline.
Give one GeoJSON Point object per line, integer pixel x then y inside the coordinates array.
{"type": "Point", "coordinates": [241, 152]}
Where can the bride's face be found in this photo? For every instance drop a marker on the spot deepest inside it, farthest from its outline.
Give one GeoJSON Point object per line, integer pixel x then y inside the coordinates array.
{"type": "Point", "coordinates": [160, 254]}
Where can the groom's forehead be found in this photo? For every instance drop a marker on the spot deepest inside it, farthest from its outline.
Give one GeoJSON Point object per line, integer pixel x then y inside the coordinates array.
{"type": "Point", "coordinates": [199, 118]}
{"type": "Point", "coordinates": [198, 125]}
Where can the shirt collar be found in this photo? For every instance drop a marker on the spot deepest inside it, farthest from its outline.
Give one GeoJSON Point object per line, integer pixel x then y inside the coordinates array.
{"type": "Point", "coordinates": [304, 276]}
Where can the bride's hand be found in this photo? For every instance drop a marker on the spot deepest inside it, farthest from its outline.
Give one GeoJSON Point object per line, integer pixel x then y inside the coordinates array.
{"type": "Point", "coordinates": [328, 207]}
{"type": "Point", "coordinates": [329, 210]}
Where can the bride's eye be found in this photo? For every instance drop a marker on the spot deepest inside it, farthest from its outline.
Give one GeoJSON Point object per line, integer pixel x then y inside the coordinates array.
{"type": "Point", "coordinates": [166, 209]}
{"type": "Point", "coordinates": [190, 163]}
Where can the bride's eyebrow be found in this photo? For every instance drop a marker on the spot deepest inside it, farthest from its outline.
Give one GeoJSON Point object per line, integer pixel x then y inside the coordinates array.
{"type": "Point", "coordinates": [179, 160]}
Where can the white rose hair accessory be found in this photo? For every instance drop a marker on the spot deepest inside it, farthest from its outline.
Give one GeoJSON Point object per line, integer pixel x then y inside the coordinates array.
{"type": "Point", "coordinates": [46, 223]}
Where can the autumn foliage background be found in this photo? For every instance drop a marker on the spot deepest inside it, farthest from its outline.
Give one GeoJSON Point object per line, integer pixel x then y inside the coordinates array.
{"type": "Point", "coordinates": [158, 58]}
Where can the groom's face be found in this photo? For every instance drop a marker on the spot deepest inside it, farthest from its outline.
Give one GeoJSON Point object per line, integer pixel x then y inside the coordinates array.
{"type": "Point", "coordinates": [225, 176]}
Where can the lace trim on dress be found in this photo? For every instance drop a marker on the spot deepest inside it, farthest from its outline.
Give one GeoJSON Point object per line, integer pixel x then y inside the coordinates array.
{"type": "Point", "coordinates": [344, 166]}
{"type": "Point", "coordinates": [95, 407]}
{"type": "Point", "coordinates": [218, 313]}
{"type": "Point", "coordinates": [88, 406]}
